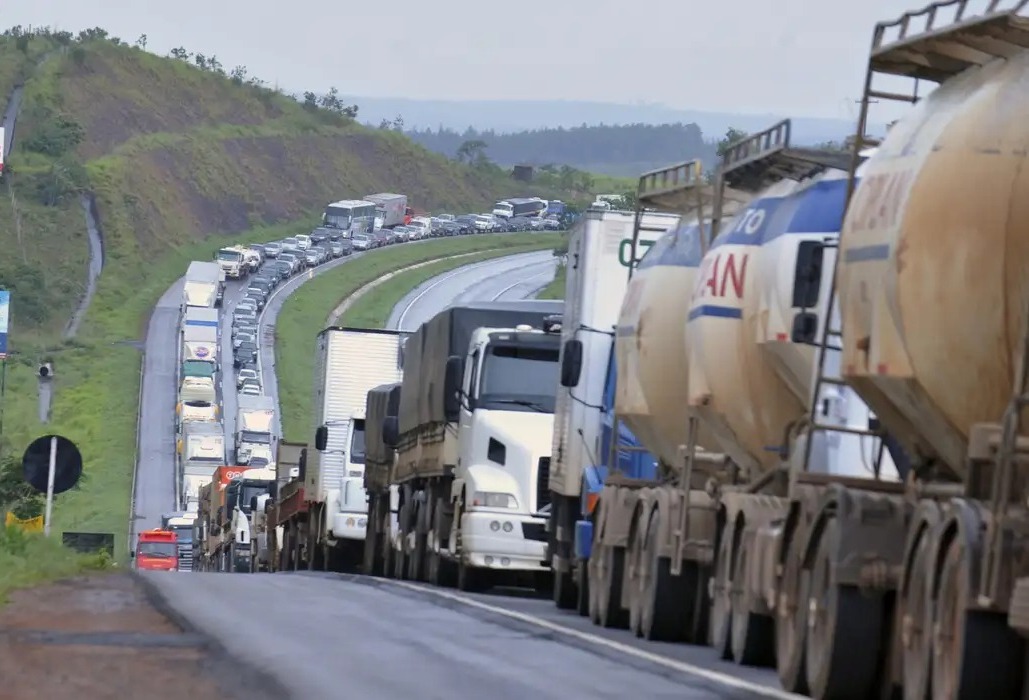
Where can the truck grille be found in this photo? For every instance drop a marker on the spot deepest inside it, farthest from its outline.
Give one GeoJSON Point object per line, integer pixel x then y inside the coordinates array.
{"type": "Point", "coordinates": [543, 484]}
{"type": "Point", "coordinates": [186, 558]}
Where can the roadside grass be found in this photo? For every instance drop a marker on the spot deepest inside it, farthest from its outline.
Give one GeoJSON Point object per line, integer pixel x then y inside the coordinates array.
{"type": "Point", "coordinates": [304, 313]}
{"type": "Point", "coordinates": [374, 307]}
{"type": "Point", "coordinates": [556, 288]}
{"type": "Point", "coordinates": [29, 559]}
{"type": "Point", "coordinates": [96, 386]}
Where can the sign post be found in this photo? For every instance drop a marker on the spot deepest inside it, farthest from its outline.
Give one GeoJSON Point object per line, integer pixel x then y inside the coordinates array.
{"type": "Point", "coordinates": [5, 315]}
{"type": "Point", "coordinates": [50, 485]}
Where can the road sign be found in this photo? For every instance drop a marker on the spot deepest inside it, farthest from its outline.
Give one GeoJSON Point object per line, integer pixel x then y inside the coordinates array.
{"type": "Point", "coordinates": [52, 464]}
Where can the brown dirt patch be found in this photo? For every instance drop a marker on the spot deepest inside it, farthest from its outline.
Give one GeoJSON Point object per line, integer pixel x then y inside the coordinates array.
{"type": "Point", "coordinates": [101, 637]}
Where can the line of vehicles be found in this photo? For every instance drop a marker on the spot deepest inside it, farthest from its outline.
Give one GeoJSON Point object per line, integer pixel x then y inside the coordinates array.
{"type": "Point", "coordinates": [785, 405]}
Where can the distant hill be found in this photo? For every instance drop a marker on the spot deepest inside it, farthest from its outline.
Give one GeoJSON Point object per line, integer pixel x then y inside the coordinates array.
{"type": "Point", "coordinates": [611, 150]}
{"type": "Point", "coordinates": [505, 116]}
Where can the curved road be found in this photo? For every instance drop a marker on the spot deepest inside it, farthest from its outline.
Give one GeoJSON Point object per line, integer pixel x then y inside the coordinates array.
{"type": "Point", "coordinates": [394, 639]}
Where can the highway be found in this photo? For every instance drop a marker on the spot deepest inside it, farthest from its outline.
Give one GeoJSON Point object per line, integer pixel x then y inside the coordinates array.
{"type": "Point", "coordinates": [446, 643]}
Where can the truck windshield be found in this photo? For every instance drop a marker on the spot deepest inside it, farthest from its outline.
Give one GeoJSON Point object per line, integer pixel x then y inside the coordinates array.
{"type": "Point", "coordinates": [357, 442]}
{"type": "Point", "coordinates": [185, 533]}
{"type": "Point", "coordinates": [256, 437]}
{"type": "Point", "coordinates": [519, 378]}
{"type": "Point", "coordinates": [230, 255]}
{"type": "Point", "coordinates": [248, 493]}
{"type": "Point", "coordinates": [156, 549]}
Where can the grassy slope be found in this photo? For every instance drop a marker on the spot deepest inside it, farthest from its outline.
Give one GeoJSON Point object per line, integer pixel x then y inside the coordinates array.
{"type": "Point", "coordinates": [556, 288]}
{"type": "Point", "coordinates": [27, 559]}
{"type": "Point", "coordinates": [177, 159]}
{"type": "Point", "coordinates": [304, 314]}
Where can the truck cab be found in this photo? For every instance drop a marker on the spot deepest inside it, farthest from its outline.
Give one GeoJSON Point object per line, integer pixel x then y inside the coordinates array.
{"type": "Point", "coordinates": [350, 514]}
{"type": "Point", "coordinates": [181, 524]}
{"type": "Point", "coordinates": [244, 496]}
{"type": "Point", "coordinates": [505, 403]}
{"type": "Point", "coordinates": [157, 550]}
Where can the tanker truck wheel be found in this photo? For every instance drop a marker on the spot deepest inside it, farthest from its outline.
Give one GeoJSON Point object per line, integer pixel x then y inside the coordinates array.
{"type": "Point", "coordinates": [977, 654]}
{"type": "Point", "coordinates": [370, 557]}
{"type": "Point", "coordinates": [637, 569]}
{"type": "Point", "coordinates": [753, 634]}
{"type": "Point", "coordinates": [845, 627]}
{"type": "Point", "coordinates": [721, 603]}
{"type": "Point", "coordinates": [915, 608]}
{"type": "Point", "coordinates": [610, 570]}
{"type": "Point", "coordinates": [791, 619]}
{"type": "Point", "coordinates": [582, 602]}
{"type": "Point", "coordinates": [387, 544]}
{"type": "Point", "coordinates": [663, 599]}
{"type": "Point", "coordinates": [593, 584]}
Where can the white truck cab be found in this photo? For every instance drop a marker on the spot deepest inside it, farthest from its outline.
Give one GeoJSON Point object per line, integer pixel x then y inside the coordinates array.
{"type": "Point", "coordinates": [505, 429]}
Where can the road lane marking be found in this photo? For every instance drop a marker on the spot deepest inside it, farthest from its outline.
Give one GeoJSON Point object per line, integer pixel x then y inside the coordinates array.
{"type": "Point", "coordinates": [626, 649]}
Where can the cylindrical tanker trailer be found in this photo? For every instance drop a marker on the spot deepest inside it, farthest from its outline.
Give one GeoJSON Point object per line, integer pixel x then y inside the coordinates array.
{"type": "Point", "coordinates": [933, 290]}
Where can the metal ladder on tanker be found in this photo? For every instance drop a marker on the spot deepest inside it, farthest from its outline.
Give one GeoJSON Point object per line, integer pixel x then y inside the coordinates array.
{"type": "Point", "coordinates": [932, 44]}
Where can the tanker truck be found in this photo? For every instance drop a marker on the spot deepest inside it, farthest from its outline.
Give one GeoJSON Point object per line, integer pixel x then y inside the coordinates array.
{"type": "Point", "coordinates": [923, 588]}
{"type": "Point", "coordinates": [695, 553]}
{"type": "Point", "coordinates": [473, 437]}
{"type": "Point", "coordinates": [600, 253]}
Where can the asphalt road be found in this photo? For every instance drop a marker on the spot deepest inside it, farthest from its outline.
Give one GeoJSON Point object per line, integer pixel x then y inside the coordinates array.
{"type": "Point", "coordinates": [155, 470]}
{"type": "Point", "coordinates": [323, 636]}
{"type": "Point", "coordinates": [11, 117]}
{"type": "Point", "coordinates": [507, 278]}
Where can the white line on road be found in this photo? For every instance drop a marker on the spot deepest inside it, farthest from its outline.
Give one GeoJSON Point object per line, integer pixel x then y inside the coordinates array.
{"type": "Point", "coordinates": [641, 654]}
{"type": "Point", "coordinates": [509, 287]}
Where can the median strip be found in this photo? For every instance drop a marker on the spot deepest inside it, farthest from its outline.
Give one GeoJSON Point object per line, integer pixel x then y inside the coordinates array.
{"type": "Point", "coordinates": [304, 313]}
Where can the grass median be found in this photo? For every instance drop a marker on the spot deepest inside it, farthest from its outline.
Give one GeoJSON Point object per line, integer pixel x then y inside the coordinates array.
{"type": "Point", "coordinates": [304, 314]}
{"type": "Point", "coordinates": [556, 289]}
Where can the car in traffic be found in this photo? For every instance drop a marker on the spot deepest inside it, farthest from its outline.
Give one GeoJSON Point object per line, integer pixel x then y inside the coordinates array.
{"type": "Point", "coordinates": [362, 241]}
{"type": "Point", "coordinates": [243, 375]}
{"type": "Point", "coordinates": [303, 241]}
{"type": "Point", "coordinates": [250, 390]}
{"type": "Point", "coordinates": [240, 338]}
{"type": "Point", "coordinates": [246, 352]}
{"type": "Point", "coordinates": [272, 250]}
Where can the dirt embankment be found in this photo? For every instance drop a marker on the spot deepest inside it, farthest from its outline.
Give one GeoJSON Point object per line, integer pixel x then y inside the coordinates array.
{"type": "Point", "coordinates": [100, 637]}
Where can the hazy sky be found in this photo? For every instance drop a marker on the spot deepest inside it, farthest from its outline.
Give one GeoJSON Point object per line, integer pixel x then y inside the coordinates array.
{"type": "Point", "coordinates": [799, 57]}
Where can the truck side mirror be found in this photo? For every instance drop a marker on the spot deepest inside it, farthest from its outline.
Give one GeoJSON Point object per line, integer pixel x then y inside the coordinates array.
{"type": "Point", "coordinates": [805, 328]}
{"type": "Point", "coordinates": [571, 363]}
{"type": "Point", "coordinates": [807, 276]}
{"type": "Point", "coordinates": [321, 438]}
{"type": "Point", "coordinates": [302, 465]}
{"type": "Point", "coordinates": [253, 504]}
{"type": "Point", "coordinates": [390, 431]}
{"type": "Point", "coordinates": [452, 387]}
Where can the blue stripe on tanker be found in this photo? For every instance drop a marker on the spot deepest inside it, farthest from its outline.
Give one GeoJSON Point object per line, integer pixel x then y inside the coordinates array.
{"type": "Point", "coordinates": [212, 324]}
{"type": "Point", "coordinates": [816, 209]}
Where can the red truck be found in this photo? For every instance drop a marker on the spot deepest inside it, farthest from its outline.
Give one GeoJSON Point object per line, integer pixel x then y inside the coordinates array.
{"type": "Point", "coordinates": [157, 550]}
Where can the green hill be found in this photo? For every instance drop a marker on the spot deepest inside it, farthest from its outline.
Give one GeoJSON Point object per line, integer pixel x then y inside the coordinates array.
{"type": "Point", "coordinates": [181, 156]}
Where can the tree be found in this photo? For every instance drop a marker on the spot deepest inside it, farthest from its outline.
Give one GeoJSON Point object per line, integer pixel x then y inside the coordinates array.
{"type": "Point", "coordinates": [15, 493]}
{"type": "Point", "coordinates": [471, 151]}
{"type": "Point", "coordinates": [141, 42]}
{"type": "Point", "coordinates": [310, 101]}
{"type": "Point", "coordinates": [732, 135]}
{"type": "Point", "coordinates": [398, 123]}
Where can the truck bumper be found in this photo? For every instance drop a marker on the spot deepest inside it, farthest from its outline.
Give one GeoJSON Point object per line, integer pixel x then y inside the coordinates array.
{"type": "Point", "coordinates": [504, 541]}
{"type": "Point", "coordinates": [349, 526]}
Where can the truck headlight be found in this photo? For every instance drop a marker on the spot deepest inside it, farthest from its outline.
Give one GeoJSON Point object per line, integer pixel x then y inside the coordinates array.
{"type": "Point", "coordinates": [492, 499]}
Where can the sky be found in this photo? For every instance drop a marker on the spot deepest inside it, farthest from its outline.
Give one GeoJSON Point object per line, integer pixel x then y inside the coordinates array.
{"type": "Point", "coordinates": [798, 57]}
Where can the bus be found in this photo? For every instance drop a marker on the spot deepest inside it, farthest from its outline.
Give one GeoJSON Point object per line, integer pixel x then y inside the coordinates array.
{"type": "Point", "coordinates": [350, 216]}
{"type": "Point", "coordinates": [531, 208]}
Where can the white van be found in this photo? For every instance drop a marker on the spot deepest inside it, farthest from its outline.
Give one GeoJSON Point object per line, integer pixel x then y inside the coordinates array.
{"type": "Point", "coordinates": [303, 241]}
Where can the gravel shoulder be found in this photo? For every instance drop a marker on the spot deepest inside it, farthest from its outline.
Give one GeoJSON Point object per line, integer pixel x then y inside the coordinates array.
{"type": "Point", "coordinates": [110, 636]}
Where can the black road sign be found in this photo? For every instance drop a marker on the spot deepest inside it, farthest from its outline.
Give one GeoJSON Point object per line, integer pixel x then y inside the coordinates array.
{"type": "Point", "coordinates": [35, 464]}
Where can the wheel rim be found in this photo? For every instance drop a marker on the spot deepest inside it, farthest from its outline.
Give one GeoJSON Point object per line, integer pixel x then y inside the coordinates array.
{"type": "Point", "coordinates": [916, 621]}
{"type": "Point", "coordinates": [949, 628]}
{"type": "Point", "coordinates": [721, 606]}
{"type": "Point", "coordinates": [648, 575]}
{"type": "Point", "coordinates": [821, 612]}
{"type": "Point", "coordinates": [791, 620]}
